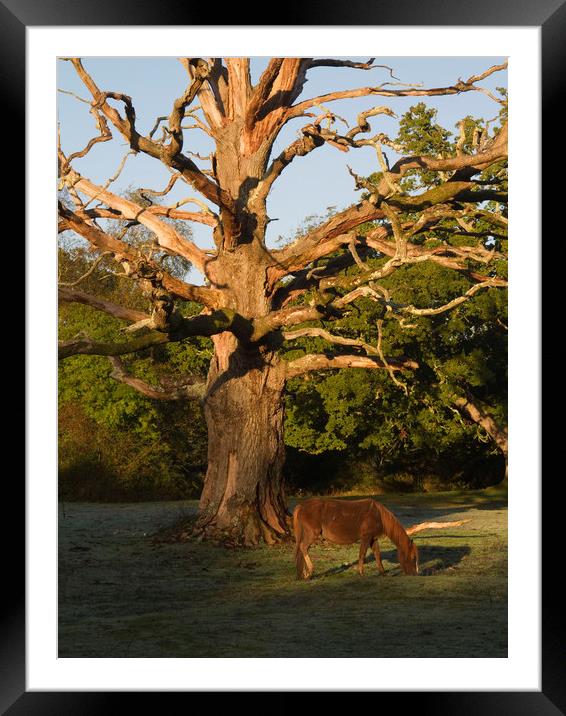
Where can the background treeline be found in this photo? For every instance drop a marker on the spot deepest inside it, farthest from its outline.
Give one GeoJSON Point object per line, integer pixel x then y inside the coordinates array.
{"type": "Point", "coordinates": [348, 430]}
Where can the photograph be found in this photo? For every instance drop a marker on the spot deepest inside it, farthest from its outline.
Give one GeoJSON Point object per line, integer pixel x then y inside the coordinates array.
{"type": "Point", "coordinates": [282, 388]}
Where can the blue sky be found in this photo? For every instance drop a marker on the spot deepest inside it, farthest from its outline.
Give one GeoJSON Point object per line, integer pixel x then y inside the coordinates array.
{"type": "Point", "coordinates": [310, 184]}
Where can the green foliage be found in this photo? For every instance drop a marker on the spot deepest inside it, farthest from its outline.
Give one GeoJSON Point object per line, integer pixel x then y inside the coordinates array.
{"type": "Point", "coordinates": [361, 425]}
{"type": "Point", "coordinates": [419, 134]}
{"type": "Point", "coordinates": [325, 419]}
{"type": "Point", "coordinates": [363, 413]}
{"type": "Point", "coordinates": [115, 443]}
{"type": "Point", "coordinates": [97, 462]}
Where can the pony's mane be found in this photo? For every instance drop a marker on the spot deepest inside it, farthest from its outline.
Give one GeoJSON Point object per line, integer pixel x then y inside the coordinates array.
{"type": "Point", "coordinates": [393, 528]}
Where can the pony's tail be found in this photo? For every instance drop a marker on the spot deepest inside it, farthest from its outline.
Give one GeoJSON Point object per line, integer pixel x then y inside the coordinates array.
{"type": "Point", "coordinates": [298, 531]}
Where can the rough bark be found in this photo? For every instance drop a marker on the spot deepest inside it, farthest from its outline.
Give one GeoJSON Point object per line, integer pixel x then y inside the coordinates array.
{"type": "Point", "coordinates": [243, 499]}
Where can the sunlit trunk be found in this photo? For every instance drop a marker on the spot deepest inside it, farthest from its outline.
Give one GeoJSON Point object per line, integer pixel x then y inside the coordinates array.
{"type": "Point", "coordinates": [243, 498]}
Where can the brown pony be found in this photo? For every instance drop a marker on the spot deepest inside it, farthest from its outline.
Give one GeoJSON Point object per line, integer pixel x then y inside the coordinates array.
{"type": "Point", "coordinates": [346, 522]}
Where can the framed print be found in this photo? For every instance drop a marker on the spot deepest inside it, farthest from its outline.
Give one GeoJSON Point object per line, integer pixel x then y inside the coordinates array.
{"type": "Point", "coordinates": [38, 674]}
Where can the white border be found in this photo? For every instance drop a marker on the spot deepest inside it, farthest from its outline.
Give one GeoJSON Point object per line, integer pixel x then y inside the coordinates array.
{"type": "Point", "coordinates": [521, 670]}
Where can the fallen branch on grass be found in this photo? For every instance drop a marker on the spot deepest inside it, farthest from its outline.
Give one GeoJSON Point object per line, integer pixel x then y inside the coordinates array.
{"type": "Point", "coordinates": [433, 526]}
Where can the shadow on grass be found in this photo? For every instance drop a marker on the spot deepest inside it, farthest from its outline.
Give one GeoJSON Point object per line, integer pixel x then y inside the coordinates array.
{"type": "Point", "coordinates": [431, 505]}
{"type": "Point", "coordinates": [495, 505]}
{"type": "Point", "coordinates": [442, 558]}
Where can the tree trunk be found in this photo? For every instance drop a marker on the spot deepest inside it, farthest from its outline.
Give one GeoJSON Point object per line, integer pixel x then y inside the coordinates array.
{"type": "Point", "coordinates": [243, 498]}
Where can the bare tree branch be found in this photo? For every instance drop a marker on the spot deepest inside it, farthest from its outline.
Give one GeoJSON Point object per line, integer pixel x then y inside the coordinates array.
{"type": "Point", "coordinates": [86, 346]}
{"type": "Point", "coordinates": [239, 86]}
{"type": "Point", "coordinates": [194, 389]}
{"type": "Point", "coordinates": [104, 136]}
{"type": "Point", "coordinates": [347, 63]}
{"type": "Point", "coordinates": [95, 263]}
{"type": "Point", "coordinates": [478, 414]}
{"type": "Point", "coordinates": [315, 136]}
{"type": "Point", "coordinates": [204, 324]}
{"type": "Point", "coordinates": [457, 88]}
{"type": "Point", "coordinates": [126, 127]}
{"type": "Point", "coordinates": [314, 362]}
{"type": "Point", "coordinates": [325, 335]}
{"type": "Point", "coordinates": [134, 262]}
{"type": "Point", "coordinates": [71, 295]}
{"type": "Point", "coordinates": [279, 87]}
{"type": "Point", "coordinates": [317, 242]}
{"type": "Point", "coordinates": [452, 257]}
{"type": "Point", "coordinates": [455, 302]}
{"type": "Point", "coordinates": [166, 235]}
{"type": "Point", "coordinates": [201, 71]}
{"type": "Point", "coordinates": [198, 217]}
{"type": "Point", "coordinates": [211, 94]}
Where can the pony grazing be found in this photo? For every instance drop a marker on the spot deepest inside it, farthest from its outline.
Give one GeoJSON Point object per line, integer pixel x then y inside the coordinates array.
{"type": "Point", "coordinates": [346, 522]}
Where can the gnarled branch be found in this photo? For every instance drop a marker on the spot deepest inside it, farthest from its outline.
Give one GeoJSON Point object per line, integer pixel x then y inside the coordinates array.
{"type": "Point", "coordinates": [86, 346]}
{"type": "Point", "coordinates": [166, 235]}
{"type": "Point", "coordinates": [129, 256]}
{"type": "Point", "coordinates": [318, 242]}
{"type": "Point", "coordinates": [126, 127]}
{"type": "Point", "coordinates": [331, 338]}
{"type": "Point", "coordinates": [199, 217]}
{"type": "Point", "coordinates": [202, 325]}
{"type": "Point", "coordinates": [71, 295]}
{"type": "Point", "coordinates": [180, 391]}
{"type": "Point", "coordinates": [316, 361]}
{"type": "Point", "coordinates": [457, 88]}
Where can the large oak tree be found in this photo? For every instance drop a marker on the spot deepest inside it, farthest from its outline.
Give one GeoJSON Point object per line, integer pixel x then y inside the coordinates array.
{"type": "Point", "coordinates": [257, 300]}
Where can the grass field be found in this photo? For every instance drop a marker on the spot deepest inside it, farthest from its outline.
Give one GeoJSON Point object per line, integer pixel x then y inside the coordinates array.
{"type": "Point", "coordinates": [120, 595]}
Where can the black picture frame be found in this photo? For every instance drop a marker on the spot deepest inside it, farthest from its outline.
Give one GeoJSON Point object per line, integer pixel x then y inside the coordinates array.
{"type": "Point", "coordinates": [550, 16]}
